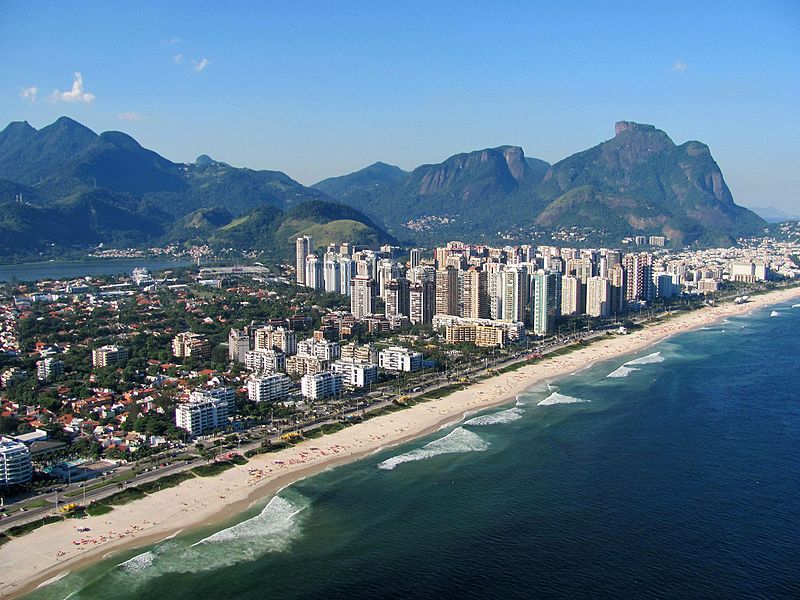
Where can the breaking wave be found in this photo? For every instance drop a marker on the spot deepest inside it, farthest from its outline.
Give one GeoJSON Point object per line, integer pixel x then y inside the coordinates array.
{"type": "Point", "coordinates": [506, 416]}
{"type": "Point", "coordinates": [622, 371]}
{"type": "Point", "coordinates": [272, 530]}
{"type": "Point", "coordinates": [655, 357]}
{"type": "Point", "coordinates": [457, 441]}
{"type": "Point", "coordinates": [556, 398]}
{"type": "Point", "coordinates": [138, 562]}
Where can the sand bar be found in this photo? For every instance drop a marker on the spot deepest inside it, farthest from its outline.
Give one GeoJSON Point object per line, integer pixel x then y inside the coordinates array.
{"type": "Point", "coordinates": [51, 551]}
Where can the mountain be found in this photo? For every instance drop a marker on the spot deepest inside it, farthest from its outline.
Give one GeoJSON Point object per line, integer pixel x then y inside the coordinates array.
{"type": "Point", "coordinates": [79, 188]}
{"type": "Point", "coordinates": [271, 230]}
{"type": "Point", "coordinates": [66, 158]}
{"type": "Point", "coordinates": [455, 195]}
{"type": "Point", "coordinates": [773, 215]}
{"type": "Point", "coordinates": [639, 181]}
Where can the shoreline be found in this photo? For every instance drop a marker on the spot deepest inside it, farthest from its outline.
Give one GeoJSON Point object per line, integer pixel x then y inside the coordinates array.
{"type": "Point", "coordinates": [51, 552]}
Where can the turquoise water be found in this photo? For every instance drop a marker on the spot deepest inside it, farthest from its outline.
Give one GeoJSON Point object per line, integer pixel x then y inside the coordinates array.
{"type": "Point", "coordinates": [672, 473]}
{"type": "Point", "coordinates": [84, 268]}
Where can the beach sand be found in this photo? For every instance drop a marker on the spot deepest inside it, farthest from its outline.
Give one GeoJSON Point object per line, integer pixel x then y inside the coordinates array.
{"type": "Point", "coordinates": [52, 551]}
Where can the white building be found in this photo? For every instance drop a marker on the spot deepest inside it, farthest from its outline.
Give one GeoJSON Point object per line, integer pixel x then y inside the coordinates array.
{"type": "Point", "coordinates": [238, 345]}
{"type": "Point", "coordinates": [322, 349]}
{"type": "Point", "coordinates": [106, 356]}
{"type": "Point", "coordinates": [49, 368]}
{"type": "Point", "coordinates": [15, 462]}
{"type": "Point", "coordinates": [206, 410]}
{"type": "Point", "coordinates": [356, 374]}
{"type": "Point", "coordinates": [269, 388]}
{"type": "Point", "coordinates": [598, 296]}
{"type": "Point", "coordinates": [265, 361]}
{"type": "Point", "coordinates": [399, 359]}
{"type": "Point", "coordinates": [321, 385]}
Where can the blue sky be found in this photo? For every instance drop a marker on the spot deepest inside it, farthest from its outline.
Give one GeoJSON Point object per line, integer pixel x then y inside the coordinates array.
{"type": "Point", "coordinates": [317, 89]}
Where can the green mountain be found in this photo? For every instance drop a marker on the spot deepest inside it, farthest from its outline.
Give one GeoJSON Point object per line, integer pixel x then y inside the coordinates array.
{"type": "Point", "coordinates": [637, 182]}
{"type": "Point", "coordinates": [457, 197]}
{"type": "Point", "coordinates": [79, 188]}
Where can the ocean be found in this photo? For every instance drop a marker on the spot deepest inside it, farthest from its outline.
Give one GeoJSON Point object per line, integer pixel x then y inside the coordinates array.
{"type": "Point", "coordinates": [83, 268]}
{"type": "Point", "coordinates": [671, 473]}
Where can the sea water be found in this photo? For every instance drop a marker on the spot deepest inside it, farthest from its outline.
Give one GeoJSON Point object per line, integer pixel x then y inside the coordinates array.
{"type": "Point", "coordinates": [679, 480]}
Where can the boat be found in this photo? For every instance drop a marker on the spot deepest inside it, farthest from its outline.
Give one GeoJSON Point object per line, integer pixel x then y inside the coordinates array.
{"type": "Point", "coordinates": [774, 313]}
{"type": "Point", "coordinates": [519, 402]}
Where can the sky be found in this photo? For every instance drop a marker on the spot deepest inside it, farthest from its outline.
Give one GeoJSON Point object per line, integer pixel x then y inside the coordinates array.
{"type": "Point", "coordinates": [318, 89]}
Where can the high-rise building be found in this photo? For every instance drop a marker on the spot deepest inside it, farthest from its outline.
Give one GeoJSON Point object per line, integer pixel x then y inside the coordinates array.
{"type": "Point", "coordinates": [303, 247]}
{"type": "Point", "coordinates": [514, 294]}
{"type": "Point", "coordinates": [617, 303]}
{"type": "Point", "coordinates": [332, 274]}
{"type": "Point", "coordinates": [388, 270]}
{"type": "Point", "coordinates": [546, 302]}
{"type": "Point", "coordinates": [447, 291]}
{"type": "Point", "coordinates": [415, 257]}
{"type": "Point", "coordinates": [345, 275]}
{"type": "Point", "coordinates": [475, 296]}
{"type": "Point", "coordinates": [397, 298]}
{"type": "Point", "coordinates": [238, 344]}
{"type": "Point", "coordinates": [598, 297]}
{"type": "Point", "coordinates": [362, 296]}
{"type": "Point", "coordinates": [422, 302]}
{"type": "Point", "coordinates": [571, 297]}
{"type": "Point", "coordinates": [314, 273]}
{"type": "Point", "coordinates": [638, 269]}
{"type": "Point", "coordinates": [15, 462]}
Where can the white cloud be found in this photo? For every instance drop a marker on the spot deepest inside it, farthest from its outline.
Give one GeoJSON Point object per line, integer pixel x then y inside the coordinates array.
{"type": "Point", "coordinates": [76, 94]}
{"type": "Point", "coordinates": [178, 58]}
{"type": "Point", "coordinates": [200, 65]}
{"type": "Point", "coordinates": [679, 66]}
{"type": "Point", "coordinates": [30, 93]}
{"type": "Point", "coordinates": [170, 42]}
{"type": "Point", "coordinates": [130, 116]}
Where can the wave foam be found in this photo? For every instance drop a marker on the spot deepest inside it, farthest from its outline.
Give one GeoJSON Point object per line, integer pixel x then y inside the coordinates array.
{"type": "Point", "coordinates": [506, 416]}
{"type": "Point", "coordinates": [275, 521]}
{"type": "Point", "coordinates": [556, 398]}
{"type": "Point", "coordinates": [457, 441]}
{"type": "Point", "coordinates": [138, 562]}
{"type": "Point", "coordinates": [622, 371]}
{"type": "Point", "coordinates": [655, 357]}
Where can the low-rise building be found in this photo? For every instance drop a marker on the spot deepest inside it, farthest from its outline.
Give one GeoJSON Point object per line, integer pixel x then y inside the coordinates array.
{"type": "Point", "coordinates": [191, 345]}
{"type": "Point", "coordinates": [269, 388]}
{"type": "Point", "coordinates": [49, 368]}
{"type": "Point", "coordinates": [400, 359]}
{"type": "Point", "coordinates": [321, 385]}
{"type": "Point", "coordinates": [110, 355]}
{"type": "Point", "coordinates": [265, 361]}
{"type": "Point", "coordinates": [356, 374]}
{"type": "Point", "coordinates": [206, 410]}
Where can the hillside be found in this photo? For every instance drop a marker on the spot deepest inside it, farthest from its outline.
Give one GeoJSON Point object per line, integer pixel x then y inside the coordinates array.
{"type": "Point", "coordinates": [80, 189]}
{"type": "Point", "coordinates": [640, 181]}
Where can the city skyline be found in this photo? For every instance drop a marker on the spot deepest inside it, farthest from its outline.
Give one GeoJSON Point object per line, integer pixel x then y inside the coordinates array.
{"type": "Point", "coordinates": [321, 91]}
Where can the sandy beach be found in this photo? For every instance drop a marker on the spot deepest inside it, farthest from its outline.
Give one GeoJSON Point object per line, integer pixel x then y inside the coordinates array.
{"type": "Point", "coordinates": [56, 549]}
